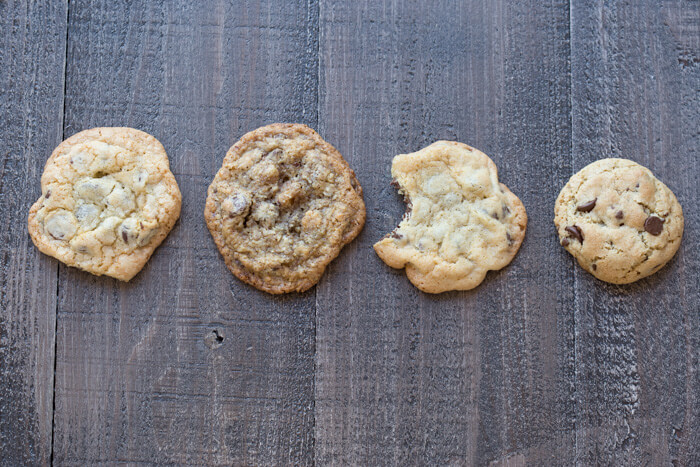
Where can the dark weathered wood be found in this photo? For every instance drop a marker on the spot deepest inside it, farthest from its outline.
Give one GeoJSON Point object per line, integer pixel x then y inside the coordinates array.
{"type": "Point", "coordinates": [636, 94]}
{"type": "Point", "coordinates": [140, 375]}
{"type": "Point", "coordinates": [407, 378]}
{"type": "Point", "coordinates": [32, 58]}
{"type": "Point", "coordinates": [540, 365]}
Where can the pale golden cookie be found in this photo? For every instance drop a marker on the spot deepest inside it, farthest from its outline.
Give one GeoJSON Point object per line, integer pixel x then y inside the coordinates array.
{"type": "Point", "coordinates": [282, 206]}
{"type": "Point", "coordinates": [108, 200]}
{"type": "Point", "coordinates": [460, 222]}
{"type": "Point", "coordinates": [618, 220]}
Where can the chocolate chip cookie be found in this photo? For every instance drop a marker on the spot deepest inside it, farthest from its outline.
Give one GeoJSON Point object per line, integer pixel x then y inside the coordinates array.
{"type": "Point", "coordinates": [460, 221]}
{"type": "Point", "coordinates": [618, 220]}
{"type": "Point", "coordinates": [282, 206]}
{"type": "Point", "coordinates": [108, 200]}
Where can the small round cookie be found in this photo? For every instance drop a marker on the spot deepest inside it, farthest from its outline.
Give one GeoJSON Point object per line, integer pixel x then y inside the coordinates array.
{"type": "Point", "coordinates": [108, 200]}
{"type": "Point", "coordinates": [618, 220]}
{"type": "Point", "coordinates": [282, 206]}
{"type": "Point", "coordinates": [460, 221]}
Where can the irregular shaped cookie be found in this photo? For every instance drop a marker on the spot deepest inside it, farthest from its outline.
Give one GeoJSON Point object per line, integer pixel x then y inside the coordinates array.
{"type": "Point", "coordinates": [618, 220]}
{"type": "Point", "coordinates": [282, 206]}
{"type": "Point", "coordinates": [108, 200]}
{"type": "Point", "coordinates": [460, 222]}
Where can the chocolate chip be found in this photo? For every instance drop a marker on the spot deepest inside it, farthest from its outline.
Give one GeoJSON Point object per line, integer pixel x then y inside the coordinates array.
{"type": "Point", "coordinates": [654, 225]}
{"type": "Point", "coordinates": [494, 215]}
{"type": "Point", "coordinates": [619, 215]}
{"type": "Point", "coordinates": [394, 183]}
{"type": "Point", "coordinates": [236, 204]}
{"type": "Point", "coordinates": [588, 206]}
{"type": "Point", "coordinates": [594, 266]}
{"type": "Point", "coordinates": [48, 194]}
{"type": "Point", "coordinates": [575, 232]}
{"type": "Point", "coordinates": [564, 241]}
{"type": "Point", "coordinates": [510, 239]}
{"type": "Point", "coordinates": [395, 234]}
{"type": "Point", "coordinates": [506, 211]}
{"type": "Point", "coordinates": [125, 236]}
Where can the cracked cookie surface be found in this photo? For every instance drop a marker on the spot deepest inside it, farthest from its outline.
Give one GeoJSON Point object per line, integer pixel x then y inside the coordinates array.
{"type": "Point", "coordinates": [460, 221]}
{"type": "Point", "coordinates": [282, 206]}
{"type": "Point", "coordinates": [108, 200]}
{"type": "Point", "coordinates": [619, 221]}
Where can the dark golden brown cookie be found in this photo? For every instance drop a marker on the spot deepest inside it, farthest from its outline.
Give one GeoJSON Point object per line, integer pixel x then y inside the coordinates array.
{"type": "Point", "coordinates": [282, 206]}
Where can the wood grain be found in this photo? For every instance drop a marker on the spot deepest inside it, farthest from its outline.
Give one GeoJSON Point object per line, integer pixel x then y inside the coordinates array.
{"type": "Point", "coordinates": [635, 94]}
{"type": "Point", "coordinates": [32, 58]}
{"type": "Point", "coordinates": [540, 365]}
{"type": "Point", "coordinates": [406, 378]}
{"type": "Point", "coordinates": [186, 364]}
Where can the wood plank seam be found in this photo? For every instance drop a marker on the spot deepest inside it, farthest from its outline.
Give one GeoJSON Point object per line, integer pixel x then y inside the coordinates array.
{"type": "Point", "coordinates": [315, 35]}
{"type": "Point", "coordinates": [58, 265]}
{"type": "Point", "coordinates": [576, 282]}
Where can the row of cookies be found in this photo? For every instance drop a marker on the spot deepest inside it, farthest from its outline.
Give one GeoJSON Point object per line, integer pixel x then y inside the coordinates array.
{"type": "Point", "coordinates": [285, 202]}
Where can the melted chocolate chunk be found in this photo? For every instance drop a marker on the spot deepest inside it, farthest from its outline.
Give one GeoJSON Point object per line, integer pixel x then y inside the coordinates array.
{"type": "Point", "coordinates": [409, 210]}
{"type": "Point", "coordinates": [125, 236]}
{"type": "Point", "coordinates": [236, 204]}
{"type": "Point", "coordinates": [654, 225]}
{"type": "Point", "coordinates": [588, 206]}
{"type": "Point", "coordinates": [619, 215]}
{"type": "Point", "coordinates": [594, 266]}
{"type": "Point", "coordinates": [575, 232]}
{"type": "Point", "coordinates": [564, 241]}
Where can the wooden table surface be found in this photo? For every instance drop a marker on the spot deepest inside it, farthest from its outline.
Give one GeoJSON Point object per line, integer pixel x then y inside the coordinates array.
{"type": "Point", "coordinates": [540, 365]}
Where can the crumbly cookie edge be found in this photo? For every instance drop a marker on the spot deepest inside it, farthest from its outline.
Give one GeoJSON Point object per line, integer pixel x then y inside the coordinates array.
{"type": "Point", "coordinates": [385, 249]}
